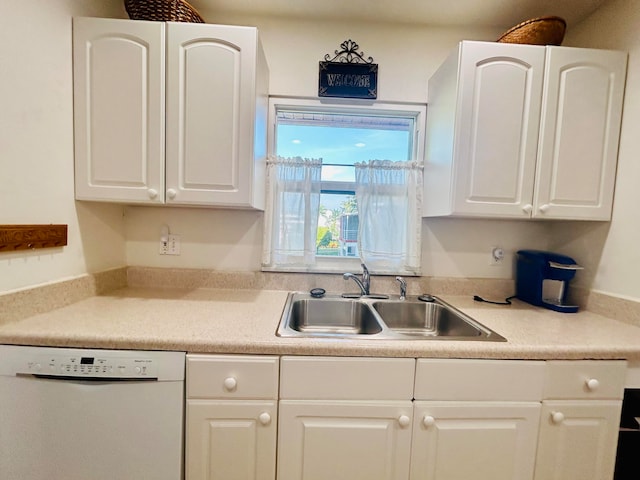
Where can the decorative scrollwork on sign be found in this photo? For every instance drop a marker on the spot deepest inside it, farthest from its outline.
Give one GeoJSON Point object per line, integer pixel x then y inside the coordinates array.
{"type": "Point", "coordinates": [348, 74]}
{"type": "Point", "coordinates": [348, 54]}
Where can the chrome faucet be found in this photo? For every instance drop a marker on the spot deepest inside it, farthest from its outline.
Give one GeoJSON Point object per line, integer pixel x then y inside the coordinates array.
{"type": "Point", "coordinates": [364, 284]}
{"type": "Point", "coordinates": [403, 288]}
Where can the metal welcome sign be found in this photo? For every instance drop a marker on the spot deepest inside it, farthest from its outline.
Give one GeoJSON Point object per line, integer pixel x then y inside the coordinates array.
{"type": "Point", "coordinates": [348, 74]}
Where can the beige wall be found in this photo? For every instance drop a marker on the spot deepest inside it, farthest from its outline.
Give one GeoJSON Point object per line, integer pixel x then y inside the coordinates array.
{"type": "Point", "coordinates": [36, 159]}
{"type": "Point", "coordinates": [36, 145]}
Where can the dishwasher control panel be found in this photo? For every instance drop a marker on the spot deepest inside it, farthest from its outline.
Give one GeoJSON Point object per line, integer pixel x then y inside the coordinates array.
{"type": "Point", "coordinates": [96, 365]}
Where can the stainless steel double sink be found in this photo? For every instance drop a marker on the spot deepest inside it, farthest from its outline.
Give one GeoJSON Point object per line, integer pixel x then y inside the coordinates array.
{"type": "Point", "coordinates": [333, 316]}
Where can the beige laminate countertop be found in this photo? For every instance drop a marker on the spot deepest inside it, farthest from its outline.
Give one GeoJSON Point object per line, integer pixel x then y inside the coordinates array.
{"type": "Point", "coordinates": [245, 321]}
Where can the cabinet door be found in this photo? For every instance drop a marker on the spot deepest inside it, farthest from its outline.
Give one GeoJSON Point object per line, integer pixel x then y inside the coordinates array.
{"type": "Point", "coordinates": [480, 441]}
{"type": "Point", "coordinates": [578, 440]}
{"type": "Point", "coordinates": [579, 133]}
{"type": "Point", "coordinates": [497, 123]}
{"type": "Point", "coordinates": [345, 440]}
{"type": "Point", "coordinates": [211, 72]}
{"type": "Point", "coordinates": [230, 440]}
{"type": "Point", "coordinates": [118, 68]}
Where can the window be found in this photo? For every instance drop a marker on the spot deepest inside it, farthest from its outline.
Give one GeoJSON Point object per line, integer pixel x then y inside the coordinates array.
{"type": "Point", "coordinates": [328, 201]}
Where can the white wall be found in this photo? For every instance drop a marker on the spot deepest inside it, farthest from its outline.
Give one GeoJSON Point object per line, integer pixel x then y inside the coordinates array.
{"type": "Point", "coordinates": [36, 144]}
{"type": "Point", "coordinates": [613, 249]}
{"type": "Point", "coordinates": [228, 240]}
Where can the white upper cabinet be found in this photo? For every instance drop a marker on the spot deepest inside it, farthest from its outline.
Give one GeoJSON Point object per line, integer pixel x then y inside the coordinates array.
{"type": "Point", "coordinates": [119, 110]}
{"type": "Point", "coordinates": [579, 132]}
{"type": "Point", "coordinates": [520, 131]}
{"type": "Point", "coordinates": [217, 104]}
{"type": "Point", "coordinates": [216, 101]}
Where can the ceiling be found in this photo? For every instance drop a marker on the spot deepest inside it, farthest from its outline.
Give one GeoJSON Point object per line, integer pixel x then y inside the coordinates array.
{"type": "Point", "coordinates": [484, 13]}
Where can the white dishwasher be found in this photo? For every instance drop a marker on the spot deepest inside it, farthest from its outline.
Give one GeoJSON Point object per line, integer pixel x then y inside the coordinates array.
{"type": "Point", "coordinates": [78, 414]}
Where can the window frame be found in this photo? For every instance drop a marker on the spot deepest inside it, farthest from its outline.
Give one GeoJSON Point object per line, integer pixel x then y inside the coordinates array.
{"type": "Point", "coordinates": [418, 111]}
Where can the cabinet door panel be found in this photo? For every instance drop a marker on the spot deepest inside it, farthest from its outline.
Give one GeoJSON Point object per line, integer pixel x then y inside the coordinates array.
{"type": "Point", "coordinates": [344, 440]}
{"type": "Point", "coordinates": [497, 132]}
{"type": "Point", "coordinates": [119, 110]}
{"type": "Point", "coordinates": [579, 133]}
{"type": "Point", "coordinates": [482, 441]}
{"type": "Point", "coordinates": [210, 97]}
{"type": "Point", "coordinates": [230, 440]}
{"type": "Point", "coordinates": [577, 440]}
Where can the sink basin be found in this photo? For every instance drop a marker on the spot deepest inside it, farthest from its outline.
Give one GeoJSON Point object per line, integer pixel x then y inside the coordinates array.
{"type": "Point", "coordinates": [332, 316]}
{"type": "Point", "coordinates": [369, 318]}
{"type": "Point", "coordinates": [425, 319]}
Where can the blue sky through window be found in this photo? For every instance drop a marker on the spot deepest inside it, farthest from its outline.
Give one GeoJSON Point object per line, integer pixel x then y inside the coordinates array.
{"type": "Point", "coordinates": [342, 146]}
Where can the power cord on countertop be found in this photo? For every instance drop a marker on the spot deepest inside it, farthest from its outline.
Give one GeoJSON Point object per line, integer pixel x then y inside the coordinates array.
{"type": "Point", "coordinates": [507, 301]}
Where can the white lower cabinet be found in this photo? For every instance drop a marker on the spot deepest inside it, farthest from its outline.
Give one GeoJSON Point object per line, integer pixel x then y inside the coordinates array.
{"type": "Point", "coordinates": [580, 420]}
{"type": "Point", "coordinates": [345, 418]}
{"type": "Point", "coordinates": [231, 417]}
{"type": "Point", "coordinates": [474, 440]}
{"type": "Point", "coordinates": [360, 418]}
{"type": "Point", "coordinates": [349, 440]}
{"type": "Point", "coordinates": [476, 419]}
{"type": "Point", "coordinates": [578, 440]}
{"type": "Point", "coordinates": [231, 439]}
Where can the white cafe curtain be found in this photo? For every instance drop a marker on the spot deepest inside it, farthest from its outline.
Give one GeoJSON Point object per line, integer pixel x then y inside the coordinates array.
{"type": "Point", "coordinates": [291, 214]}
{"type": "Point", "coordinates": [389, 196]}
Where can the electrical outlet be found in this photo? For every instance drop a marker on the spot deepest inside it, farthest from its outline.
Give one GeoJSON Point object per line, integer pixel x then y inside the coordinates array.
{"type": "Point", "coordinates": [497, 256]}
{"type": "Point", "coordinates": [171, 246]}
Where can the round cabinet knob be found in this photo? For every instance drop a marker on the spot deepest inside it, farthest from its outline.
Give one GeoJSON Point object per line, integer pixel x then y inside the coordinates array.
{"type": "Point", "coordinates": [171, 193]}
{"type": "Point", "coordinates": [592, 384]}
{"type": "Point", "coordinates": [153, 193]}
{"type": "Point", "coordinates": [557, 417]}
{"type": "Point", "coordinates": [527, 208]}
{"type": "Point", "coordinates": [428, 421]}
{"type": "Point", "coordinates": [264, 418]}
{"type": "Point", "coordinates": [404, 421]}
{"type": "Point", "coordinates": [230, 384]}
{"type": "Point", "coordinates": [544, 208]}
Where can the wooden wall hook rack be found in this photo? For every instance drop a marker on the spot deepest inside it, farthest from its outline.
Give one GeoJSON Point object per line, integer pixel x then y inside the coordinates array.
{"type": "Point", "coordinates": [31, 237]}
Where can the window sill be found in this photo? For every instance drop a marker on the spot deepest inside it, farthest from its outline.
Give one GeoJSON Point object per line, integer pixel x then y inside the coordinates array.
{"type": "Point", "coordinates": [334, 266]}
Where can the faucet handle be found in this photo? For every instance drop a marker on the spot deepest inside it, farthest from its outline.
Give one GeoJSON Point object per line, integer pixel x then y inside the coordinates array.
{"type": "Point", "coordinates": [365, 272]}
{"type": "Point", "coordinates": [366, 279]}
{"type": "Point", "coordinates": [403, 287]}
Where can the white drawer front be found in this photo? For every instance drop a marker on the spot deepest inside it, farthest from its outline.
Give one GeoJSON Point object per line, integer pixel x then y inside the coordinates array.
{"type": "Point", "coordinates": [338, 378]}
{"type": "Point", "coordinates": [490, 380]}
{"type": "Point", "coordinates": [598, 379]}
{"type": "Point", "coordinates": [232, 376]}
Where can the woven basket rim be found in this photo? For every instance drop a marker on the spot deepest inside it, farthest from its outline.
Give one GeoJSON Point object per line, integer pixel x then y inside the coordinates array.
{"type": "Point", "coordinates": [192, 10]}
{"type": "Point", "coordinates": [549, 18]}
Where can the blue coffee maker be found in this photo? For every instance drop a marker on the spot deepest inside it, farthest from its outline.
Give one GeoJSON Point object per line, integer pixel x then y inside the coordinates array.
{"type": "Point", "coordinates": [542, 279]}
